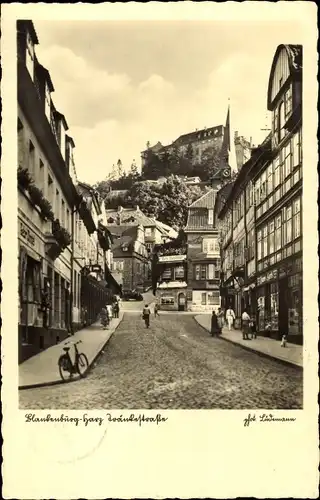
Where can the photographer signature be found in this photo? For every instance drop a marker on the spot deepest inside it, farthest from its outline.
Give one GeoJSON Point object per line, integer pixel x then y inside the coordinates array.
{"type": "Point", "coordinates": [266, 417]}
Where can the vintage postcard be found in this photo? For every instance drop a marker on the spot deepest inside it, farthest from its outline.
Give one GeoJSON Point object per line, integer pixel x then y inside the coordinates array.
{"type": "Point", "coordinates": [159, 243]}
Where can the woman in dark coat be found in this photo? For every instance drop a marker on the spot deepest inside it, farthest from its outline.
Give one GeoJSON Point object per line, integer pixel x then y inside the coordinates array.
{"type": "Point", "coordinates": [215, 328]}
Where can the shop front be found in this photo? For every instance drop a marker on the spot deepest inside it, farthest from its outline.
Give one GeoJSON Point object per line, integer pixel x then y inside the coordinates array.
{"type": "Point", "coordinates": [30, 273]}
{"type": "Point", "coordinates": [172, 296]}
{"type": "Point", "coordinates": [279, 302]}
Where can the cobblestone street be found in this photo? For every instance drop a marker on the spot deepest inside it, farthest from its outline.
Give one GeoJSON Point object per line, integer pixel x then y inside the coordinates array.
{"type": "Point", "coordinates": [174, 365]}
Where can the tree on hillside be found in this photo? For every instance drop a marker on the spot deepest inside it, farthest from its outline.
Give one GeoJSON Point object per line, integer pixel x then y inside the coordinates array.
{"type": "Point", "coordinates": [189, 153]}
{"type": "Point", "coordinates": [153, 166]}
{"type": "Point", "coordinates": [120, 168]}
{"type": "Point", "coordinates": [210, 160]}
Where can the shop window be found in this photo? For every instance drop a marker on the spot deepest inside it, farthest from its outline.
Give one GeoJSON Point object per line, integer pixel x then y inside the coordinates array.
{"type": "Point", "coordinates": [213, 298]}
{"type": "Point", "coordinates": [294, 305]}
{"type": "Point", "coordinates": [167, 301]}
{"type": "Point", "coordinates": [261, 311]}
{"type": "Point", "coordinates": [203, 299]}
{"type": "Point", "coordinates": [274, 306]}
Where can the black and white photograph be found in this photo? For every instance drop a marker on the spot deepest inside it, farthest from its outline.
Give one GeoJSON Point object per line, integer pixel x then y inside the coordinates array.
{"type": "Point", "coordinates": [160, 228]}
{"type": "Point", "coordinates": [160, 215]}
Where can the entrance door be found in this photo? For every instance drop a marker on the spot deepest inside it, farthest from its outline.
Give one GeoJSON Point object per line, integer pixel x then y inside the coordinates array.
{"type": "Point", "coordinates": [181, 302]}
{"type": "Point", "coordinates": [283, 307]}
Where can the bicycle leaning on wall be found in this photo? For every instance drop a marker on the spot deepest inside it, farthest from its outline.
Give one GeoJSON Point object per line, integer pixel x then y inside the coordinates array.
{"type": "Point", "coordinates": [67, 367]}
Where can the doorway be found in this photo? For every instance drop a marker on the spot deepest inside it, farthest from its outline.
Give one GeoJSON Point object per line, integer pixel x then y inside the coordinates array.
{"type": "Point", "coordinates": [181, 302]}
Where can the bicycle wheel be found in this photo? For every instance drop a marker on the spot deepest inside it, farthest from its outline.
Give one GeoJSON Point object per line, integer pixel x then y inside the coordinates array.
{"type": "Point", "coordinates": [82, 364]}
{"type": "Point", "coordinates": [64, 367]}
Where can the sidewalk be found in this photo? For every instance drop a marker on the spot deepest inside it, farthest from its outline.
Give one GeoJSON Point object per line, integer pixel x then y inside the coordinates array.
{"type": "Point", "coordinates": [42, 369]}
{"type": "Point", "coordinates": [291, 354]}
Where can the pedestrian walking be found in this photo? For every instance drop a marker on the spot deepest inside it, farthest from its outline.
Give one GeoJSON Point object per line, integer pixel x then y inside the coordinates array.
{"type": "Point", "coordinates": [245, 325]}
{"type": "Point", "coordinates": [230, 317]}
{"type": "Point", "coordinates": [156, 310]}
{"type": "Point", "coordinates": [146, 313]}
{"type": "Point", "coordinates": [215, 328]}
{"type": "Point", "coordinates": [220, 318]}
{"type": "Point", "coordinates": [116, 309]}
{"type": "Point", "coordinates": [104, 318]}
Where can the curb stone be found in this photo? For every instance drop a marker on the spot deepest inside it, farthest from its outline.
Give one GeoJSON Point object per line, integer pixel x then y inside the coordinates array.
{"type": "Point", "coordinates": [76, 377]}
{"type": "Point", "coordinates": [259, 353]}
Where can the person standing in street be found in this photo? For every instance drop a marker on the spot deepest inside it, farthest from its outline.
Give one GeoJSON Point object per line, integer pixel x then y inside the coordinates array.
{"type": "Point", "coordinates": [146, 313]}
{"type": "Point", "coordinates": [230, 317]}
{"type": "Point", "coordinates": [220, 318]}
{"type": "Point", "coordinates": [156, 310]}
{"type": "Point", "coordinates": [104, 318]}
{"type": "Point", "coordinates": [215, 328]}
{"type": "Point", "coordinates": [116, 309]}
{"type": "Point", "coordinates": [245, 325]}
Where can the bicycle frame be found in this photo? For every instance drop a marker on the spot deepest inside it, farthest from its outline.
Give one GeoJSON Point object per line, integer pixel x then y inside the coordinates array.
{"type": "Point", "coordinates": [73, 365]}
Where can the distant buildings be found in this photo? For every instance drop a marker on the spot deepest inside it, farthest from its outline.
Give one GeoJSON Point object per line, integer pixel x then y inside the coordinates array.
{"type": "Point", "coordinates": [242, 149]}
{"type": "Point", "coordinates": [193, 143]}
{"type": "Point", "coordinates": [122, 222]}
{"type": "Point", "coordinates": [260, 218]}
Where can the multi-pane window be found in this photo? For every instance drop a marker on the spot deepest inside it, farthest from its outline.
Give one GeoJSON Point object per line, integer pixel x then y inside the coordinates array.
{"type": "Point", "coordinates": [288, 226]}
{"type": "Point", "coordinates": [203, 299]}
{"type": "Point", "coordinates": [197, 273]}
{"type": "Point", "coordinates": [271, 237]}
{"type": "Point", "coordinates": [203, 272]}
{"type": "Point", "coordinates": [278, 243]}
{"type": "Point", "coordinates": [259, 247]}
{"type": "Point", "coordinates": [287, 159]}
{"type": "Point", "coordinates": [276, 172]}
{"type": "Point", "coordinates": [270, 179]}
{"type": "Point", "coordinates": [296, 150]}
{"type": "Point", "coordinates": [281, 121]}
{"type": "Point", "coordinates": [296, 218]}
{"type": "Point", "coordinates": [288, 102]}
{"type": "Point", "coordinates": [210, 245]}
{"type": "Point", "coordinates": [263, 186]}
{"type": "Point", "coordinates": [265, 241]}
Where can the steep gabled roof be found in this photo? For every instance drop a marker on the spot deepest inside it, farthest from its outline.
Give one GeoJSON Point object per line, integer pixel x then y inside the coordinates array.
{"type": "Point", "coordinates": [207, 200]}
{"type": "Point", "coordinates": [127, 213]}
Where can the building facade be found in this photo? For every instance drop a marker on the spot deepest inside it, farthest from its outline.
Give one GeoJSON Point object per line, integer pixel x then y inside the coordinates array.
{"type": "Point", "coordinates": [278, 199]}
{"type": "Point", "coordinates": [130, 265]}
{"type": "Point", "coordinates": [203, 255]}
{"type": "Point", "coordinates": [170, 276]}
{"type": "Point", "coordinates": [49, 206]}
{"type": "Point", "coordinates": [260, 220]}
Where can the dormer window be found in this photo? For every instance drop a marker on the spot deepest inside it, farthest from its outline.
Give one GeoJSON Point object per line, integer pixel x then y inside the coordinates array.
{"type": "Point", "coordinates": [111, 220]}
{"type": "Point", "coordinates": [30, 56]}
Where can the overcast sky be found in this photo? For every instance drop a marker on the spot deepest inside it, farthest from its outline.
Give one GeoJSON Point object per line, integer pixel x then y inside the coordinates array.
{"type": "Point", "coordinates": [121, 84]}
